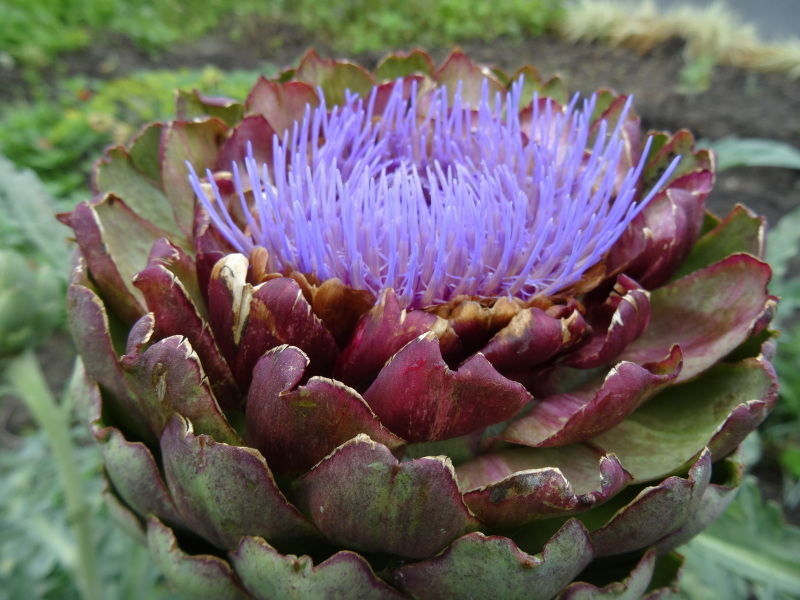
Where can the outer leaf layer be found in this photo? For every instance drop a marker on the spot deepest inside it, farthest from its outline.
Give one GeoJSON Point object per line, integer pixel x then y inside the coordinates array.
{"type": "Point", "coordinates": [632, 588]}
{"type": "Point", "coordinates": [578, 463]}
{"type": "Point", "coordinates": [176, 314]}
{"type": "Point", "coordinates": [201, 576]}
{"type": "Point", "coordinates": [134, 473]}
{"type": "Point", "coordinates": [198, 143]}
{"type": "Point", "coordinates": [117, 174]}
{"type": "Point", "coordinates": [169, 379]}
{"type": "Point", "coordinates": [268, 575]}
{"type": "Point", "coordinates": [716, 498]}
{"type": "Point", "coordinates": [476, 566]}
{"type": "Point", "coordinates": [655, 512]}
{"type": "Point", "coordinates": [362, 498]}
{"type": "Point", "coordinates": [89, 326]}
{"type": "Point", "coordinates": [226, 492]}
{"type": "Point", "coordinates": [739, 232]}
{"type": "Point", "coordinates": [100, 230]}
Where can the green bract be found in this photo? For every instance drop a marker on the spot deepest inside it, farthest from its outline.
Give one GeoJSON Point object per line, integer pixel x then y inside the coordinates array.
{"type": "Point", "coordinates": [281, 435]}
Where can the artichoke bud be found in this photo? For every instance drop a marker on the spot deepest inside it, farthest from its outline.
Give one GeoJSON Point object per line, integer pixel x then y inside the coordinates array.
{"type": "Point", "coordinates": [428, 332]}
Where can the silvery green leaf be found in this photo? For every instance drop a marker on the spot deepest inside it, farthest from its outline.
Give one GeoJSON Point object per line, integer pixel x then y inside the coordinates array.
{"type": "Point", "coordinates": [750, 552]}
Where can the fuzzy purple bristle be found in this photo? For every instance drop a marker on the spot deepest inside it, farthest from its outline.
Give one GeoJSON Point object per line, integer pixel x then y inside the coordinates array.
{"type": "Point", "coordinates": [439, 202]}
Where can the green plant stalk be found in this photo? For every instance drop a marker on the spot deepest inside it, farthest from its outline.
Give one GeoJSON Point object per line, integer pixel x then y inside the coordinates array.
{"type": "Point", "coordinates": [27, 380]}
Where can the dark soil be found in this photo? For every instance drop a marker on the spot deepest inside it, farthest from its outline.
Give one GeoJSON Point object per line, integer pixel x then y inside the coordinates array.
{"type": "Point", "coordinates": [736, 102]}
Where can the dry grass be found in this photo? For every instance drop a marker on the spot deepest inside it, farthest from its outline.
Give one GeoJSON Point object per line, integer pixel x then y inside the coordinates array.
{"type": "Point", "coordinates": [710, 31]}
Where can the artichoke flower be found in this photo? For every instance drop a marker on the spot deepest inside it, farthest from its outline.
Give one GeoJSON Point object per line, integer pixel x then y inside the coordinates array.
{"type": "Point", "coordinates": [427, 332]}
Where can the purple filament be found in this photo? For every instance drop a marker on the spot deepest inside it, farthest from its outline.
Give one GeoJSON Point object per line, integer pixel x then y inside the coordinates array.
{"type": "Point", "coordinates": [439, 202]}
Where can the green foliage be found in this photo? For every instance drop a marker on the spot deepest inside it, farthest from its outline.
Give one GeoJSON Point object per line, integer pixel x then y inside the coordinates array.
{"type": "Point", "coordinates": [37, 548]}
{"type": "Point", "coordinates": [33, 261]}
{"type": "Point", "coordinates": [48, 137]}
{"type": "Point", "coordinates": [360, 25]}
{"type": "Point", "coordinates": [60, 138]}
{"type": "Point", "coordinates": [28, 223]}
{"type": "Point", "coordinates": [750, 552]}
{"type": "Point", "coordinates": [783, 245]}
{"type": "Point", "coordinates": [34, 32]}
{"type": "Point", "coordinates": [695, 76]}
{"type": "Point", "coordinates": [30, 303]}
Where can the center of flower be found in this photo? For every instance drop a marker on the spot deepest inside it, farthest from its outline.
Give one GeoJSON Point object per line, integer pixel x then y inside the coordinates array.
{"type": "Point", "coordinates": [434, 198]}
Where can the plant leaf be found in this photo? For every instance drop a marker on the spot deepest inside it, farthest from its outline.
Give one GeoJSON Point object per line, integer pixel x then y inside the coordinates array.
{"type": "Point", "coordinates": [734, 151]}
{"type": "Point", "coordinates": [749, 552]}
{"type": "Point", "coordinates": [28, 217]}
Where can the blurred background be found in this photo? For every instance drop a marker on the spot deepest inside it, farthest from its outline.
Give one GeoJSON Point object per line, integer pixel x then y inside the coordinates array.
{"type": "Point", "coordinates": [775, 20]}
{"type": "Point", "coordinates": [79, 75]}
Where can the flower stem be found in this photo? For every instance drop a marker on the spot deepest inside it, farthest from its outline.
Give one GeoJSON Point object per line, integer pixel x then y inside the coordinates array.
{"type": "Point", "coordinates": [27, 379]}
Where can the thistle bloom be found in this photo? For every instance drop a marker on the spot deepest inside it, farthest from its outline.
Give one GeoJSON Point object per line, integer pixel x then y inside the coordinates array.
{"type": "Point", "coordinates": [462, 201]}
{"type": "Point", "coordinates": [423, 333]}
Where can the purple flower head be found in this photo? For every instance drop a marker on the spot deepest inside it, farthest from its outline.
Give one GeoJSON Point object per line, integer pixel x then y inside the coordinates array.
{"type": "Point", "coordinates": [437, 199]}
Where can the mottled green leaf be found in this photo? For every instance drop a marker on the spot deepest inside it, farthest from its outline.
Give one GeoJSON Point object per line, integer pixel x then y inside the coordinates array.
{"type": "Point", "coordinates": [362, 497]}
{"type": "Point", "coordinates": [116, 174]}
{"type": "Point", "coordinates": [268, 575]}
{"type": "Point", "coordinates": [194, 105]}
{"type": "Point", "coordinates": [200, 577]}
{"type": "Point", "coordinates": [226, 492]}
{"type": "Point", "coordinates": [144, 150]}
{"type": "Point", "coordinates": [678, 423]}
{"type": "Point", "coordinates": [476, 566]}
{"type": "Point", "coordinates": [334, 77]}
